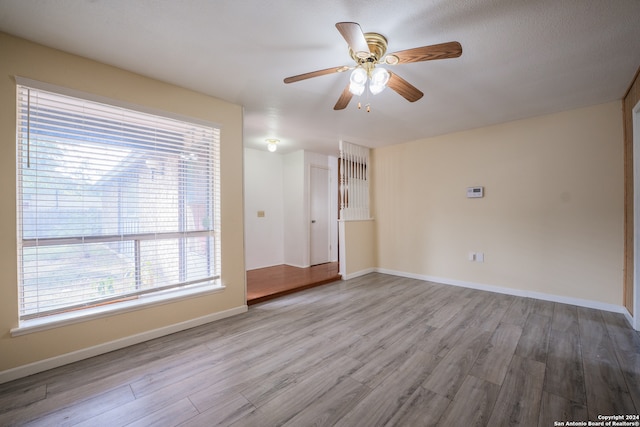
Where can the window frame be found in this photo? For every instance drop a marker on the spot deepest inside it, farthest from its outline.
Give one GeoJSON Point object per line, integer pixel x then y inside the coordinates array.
{"type": "Point", "coordinates": [121, 302]}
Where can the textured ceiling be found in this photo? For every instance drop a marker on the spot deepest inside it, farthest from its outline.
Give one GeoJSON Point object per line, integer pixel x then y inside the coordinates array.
{"type": "Point", "coordinates": [521, 58]}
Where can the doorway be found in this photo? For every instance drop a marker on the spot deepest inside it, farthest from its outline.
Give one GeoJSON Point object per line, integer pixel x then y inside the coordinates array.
{"type": "Point", "coordinates": [298, 182]}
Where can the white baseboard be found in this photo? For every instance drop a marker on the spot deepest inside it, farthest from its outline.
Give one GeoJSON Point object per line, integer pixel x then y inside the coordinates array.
{"type": "Point", "coordinates": [85, 353]}
{"type": "Point", "coordinates": [358, 273]}
{"type": "Point", "coordinates": [296, 265]}
{"type": "Point", "coordinates": [515, 292]}
{"type": "Point", "coordinates": [629, 318]}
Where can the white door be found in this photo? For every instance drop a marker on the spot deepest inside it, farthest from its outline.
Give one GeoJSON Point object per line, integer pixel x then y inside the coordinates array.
{"type": "Point", "coordinates": [319, 194]}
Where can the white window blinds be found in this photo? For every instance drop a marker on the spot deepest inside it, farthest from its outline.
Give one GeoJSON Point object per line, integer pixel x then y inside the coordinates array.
{"type": "Point", "coordinates": [113, 203]}
{"type": "Point", "coordinates": [354, 181]}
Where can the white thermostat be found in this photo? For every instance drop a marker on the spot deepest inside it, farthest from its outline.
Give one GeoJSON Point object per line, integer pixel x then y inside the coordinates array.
{"type": "Point", "coordinates": [474, 192]}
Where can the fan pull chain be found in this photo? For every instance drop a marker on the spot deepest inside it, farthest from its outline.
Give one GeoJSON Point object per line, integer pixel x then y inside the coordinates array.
{"type": "Point", "coordinates": [367, 106]}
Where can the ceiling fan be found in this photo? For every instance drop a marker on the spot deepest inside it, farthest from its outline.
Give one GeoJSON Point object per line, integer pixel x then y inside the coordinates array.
{"type": "Point", "coordinates": [368, 51]}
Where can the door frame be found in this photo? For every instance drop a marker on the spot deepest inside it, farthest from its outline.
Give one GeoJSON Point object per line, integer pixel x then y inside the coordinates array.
{"type": "Point", "coordinates": [635, 125]}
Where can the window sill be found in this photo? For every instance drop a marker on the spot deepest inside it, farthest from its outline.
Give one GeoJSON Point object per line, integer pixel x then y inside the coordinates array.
{"type": "Point", "coordinates": [63, 319]}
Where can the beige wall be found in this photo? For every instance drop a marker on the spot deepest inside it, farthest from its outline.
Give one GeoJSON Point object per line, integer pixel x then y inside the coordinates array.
{"type": "Point", "coordinates": [357, 248]}
{"type": "Point", "coordinates": [551, 220]}
{"type": "Point", "coordinates": [25, 59]}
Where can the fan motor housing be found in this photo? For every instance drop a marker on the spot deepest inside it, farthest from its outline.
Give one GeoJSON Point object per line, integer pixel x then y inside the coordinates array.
{"type": "Point", "coordinates": [377, 47]}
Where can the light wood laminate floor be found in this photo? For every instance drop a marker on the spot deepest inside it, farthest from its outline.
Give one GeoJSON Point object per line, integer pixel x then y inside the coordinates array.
{"type": "Point", "coordinates": [372, 351]}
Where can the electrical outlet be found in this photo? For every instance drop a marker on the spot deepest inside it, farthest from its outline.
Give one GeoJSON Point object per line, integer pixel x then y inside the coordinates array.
{"type": "Point", "coordinates": [480, 257]}
{"type": "Point", "coordinates": [260, 214]}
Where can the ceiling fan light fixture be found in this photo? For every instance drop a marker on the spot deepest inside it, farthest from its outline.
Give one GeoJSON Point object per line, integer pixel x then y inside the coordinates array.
{"type": "Point", "coordinates": [358, 80]}
{"type": "Point", "coordinates": [379, 79]}
{"type": "Point", "coordinates": [356, 89]}
{"type": "Point", "coordinates": [272, 145]}
{"type": "Point", "coordinates": [368, 50]}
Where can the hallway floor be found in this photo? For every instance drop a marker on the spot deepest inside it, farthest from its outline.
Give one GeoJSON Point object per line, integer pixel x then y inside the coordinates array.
{"type": "Point", "coordinates": [271, 282]}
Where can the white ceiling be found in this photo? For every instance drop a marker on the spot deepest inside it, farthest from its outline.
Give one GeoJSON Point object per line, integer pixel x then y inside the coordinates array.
{"type": "Point", "coordinates": [521, 58]}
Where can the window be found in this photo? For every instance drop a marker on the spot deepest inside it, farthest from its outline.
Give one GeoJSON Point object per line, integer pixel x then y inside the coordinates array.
{"type": "Point", "coordinates": [353, 172]}
{"type": "Point", "coordinates": [113, 204]}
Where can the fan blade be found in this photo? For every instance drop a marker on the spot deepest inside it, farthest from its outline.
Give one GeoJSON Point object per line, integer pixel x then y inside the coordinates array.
{"type": "Point", "coordinates": [428, 53]}
{"type": "Point", "coordinates": [344, 99]}
{"type": "Point", "coordinates": [354, 36]}
{"type": "Point", "coordinates": [317, 73]}
{"type": "Point", "coordinates": [404, 88]}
